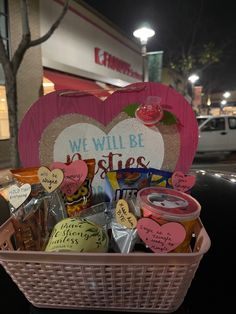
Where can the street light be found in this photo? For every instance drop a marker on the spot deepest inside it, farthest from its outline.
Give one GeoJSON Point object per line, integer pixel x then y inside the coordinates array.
{"type": "Point", "coordinates": [226, 95]}
{"type": "Point", "coordinates": [223, 103]}
{"type": "Point", "coordinates": [143, 34]}
{"type": "Point", "coordinates": [193, 78]}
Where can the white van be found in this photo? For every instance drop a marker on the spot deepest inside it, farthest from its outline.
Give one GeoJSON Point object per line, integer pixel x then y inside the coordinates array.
{"type": "Point", "coordinates": [216, 133]}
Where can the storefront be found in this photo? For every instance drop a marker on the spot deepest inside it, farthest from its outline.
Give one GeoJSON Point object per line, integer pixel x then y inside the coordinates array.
{"type": "Point", "coordinates": [85, 53]}
{"type": "Point", "coordinates": [88, 48]}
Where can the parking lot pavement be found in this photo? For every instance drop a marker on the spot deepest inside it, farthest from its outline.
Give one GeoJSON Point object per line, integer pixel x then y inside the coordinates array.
{"type": "Point", "coordinates": [216, 161]}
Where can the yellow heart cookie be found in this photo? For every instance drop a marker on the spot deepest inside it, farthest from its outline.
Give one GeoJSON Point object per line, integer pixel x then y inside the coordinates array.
{"type": "Point", "coordinates": [50, 180]}
{"type": "Point", "coordinates": [124, 216]}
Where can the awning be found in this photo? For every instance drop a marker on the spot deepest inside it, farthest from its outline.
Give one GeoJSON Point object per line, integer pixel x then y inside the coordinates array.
{"type": "Point", "coordinates": [63, 81]}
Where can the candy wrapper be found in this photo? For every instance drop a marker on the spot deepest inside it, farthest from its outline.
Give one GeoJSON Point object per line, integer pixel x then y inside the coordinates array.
{"type": "Point", "coordinates": [125, 183]}
{"type": "Point", "coordinates": [98, 214]}
{"type": "Point", "coordinates": [123, 217]}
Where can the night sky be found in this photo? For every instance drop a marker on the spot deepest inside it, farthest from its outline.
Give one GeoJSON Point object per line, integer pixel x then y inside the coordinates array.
{"type": "Point", "coordinates": [175, 22]}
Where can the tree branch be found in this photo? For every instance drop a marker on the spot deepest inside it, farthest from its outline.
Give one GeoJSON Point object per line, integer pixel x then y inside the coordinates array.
{"type": "Point", "coordinates": [25, 17]}
{"type": "Point", "coordinates": [53, 27]}
{"type": "Point", "coordinates": [5, 62]}
{"type": "Point", "coordinates": [25, 40]}
{"type": "Point", "coordinates": [3, 53]}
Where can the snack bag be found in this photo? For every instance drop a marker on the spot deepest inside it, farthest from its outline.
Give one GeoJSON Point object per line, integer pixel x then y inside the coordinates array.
{"type": "Point", "coordinates": [123, 216]}
{"type": "Point", "coordinates": [160, 178]}
{"type": "Point", "coordinates": [34, 211]}
{"type": "Point", "coordinates": [125, 183]}
{"type": "Point", "coordinates": [81, 198]}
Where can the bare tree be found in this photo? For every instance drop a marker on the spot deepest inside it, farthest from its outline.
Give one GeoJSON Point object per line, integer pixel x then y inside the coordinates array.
{"type": "Point", "coordinates": [11, 66]}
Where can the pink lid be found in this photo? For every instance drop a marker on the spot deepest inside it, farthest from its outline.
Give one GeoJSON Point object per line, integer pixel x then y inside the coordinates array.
{"type": "Point", "coordinates": [168, 203]}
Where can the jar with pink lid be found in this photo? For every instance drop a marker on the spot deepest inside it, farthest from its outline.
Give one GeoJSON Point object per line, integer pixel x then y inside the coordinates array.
{"type": "Point", "coordinates": [168, 205]}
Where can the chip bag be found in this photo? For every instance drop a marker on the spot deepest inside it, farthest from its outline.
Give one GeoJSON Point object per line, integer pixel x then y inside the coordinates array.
{"type": "Point", "coordinates": [82, 197]}
{"type": "Point", "coordinates": [125, 183]}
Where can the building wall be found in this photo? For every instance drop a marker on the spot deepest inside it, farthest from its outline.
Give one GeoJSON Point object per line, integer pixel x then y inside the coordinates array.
{"type": "Point", "coordinates": [72, 48]}
{"type": "Point", "coordinates": [4, 154]}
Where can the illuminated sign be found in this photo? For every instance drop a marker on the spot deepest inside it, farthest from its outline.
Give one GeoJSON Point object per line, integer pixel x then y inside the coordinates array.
{"type": "Point", "coordinates": [107, 60]}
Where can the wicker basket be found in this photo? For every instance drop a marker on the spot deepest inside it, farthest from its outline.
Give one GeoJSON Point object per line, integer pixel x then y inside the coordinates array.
{"type": "Point", "coordinates": [138, 282]}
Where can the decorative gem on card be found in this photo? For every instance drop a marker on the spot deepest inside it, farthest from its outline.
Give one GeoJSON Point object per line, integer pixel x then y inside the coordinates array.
{"type": "Point", "coordinates": [50, 180]}
{"type": "Point", "coordinates": [182, 182]}
{"type": "Point", "coordinates": [17, 195]}
{"type": "Point", "coordinates": [150, 112]}
{"type": "Point", "coordinates": [75, 174]}
{"type": "Point", "coordinates": [124, 216]}
{"type": "Point", "coordinates": [161, 238]}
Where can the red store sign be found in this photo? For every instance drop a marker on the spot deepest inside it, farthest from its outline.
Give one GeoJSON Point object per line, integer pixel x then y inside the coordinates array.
{"type": "Point", "coordinates": [104, 58]}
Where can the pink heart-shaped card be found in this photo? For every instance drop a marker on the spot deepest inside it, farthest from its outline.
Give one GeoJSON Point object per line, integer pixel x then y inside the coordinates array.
{"type": "Point", "coordinates": [182, 182]}
{"type": "Point", "coordinates": [67, 123]}
{"type": "Point", "coordinates": [74, 175]}
{"type": "Point", "coordinates": [160, 239]}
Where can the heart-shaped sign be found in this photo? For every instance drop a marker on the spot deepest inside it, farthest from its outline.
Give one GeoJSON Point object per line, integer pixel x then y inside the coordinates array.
{"type": "Point", "coordinates": [50, 180]}
{"type": "Point", "coordinates": [124, 216]}
{"type": "Point", "coordinates": [109, 132]}
{"type": "Point", "coordinates": [160, 239]}
{"type": "Point", "coordinates": [182, 182]}
{"type": "Point", "coordinates": [74, 175]}
{"type": "Point", "coordinates": [17, 195]}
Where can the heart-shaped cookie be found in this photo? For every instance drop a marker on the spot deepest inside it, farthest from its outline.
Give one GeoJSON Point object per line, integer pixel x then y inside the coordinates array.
{"type": "Point", "coordinates": [182, 182]}
{"type": "Point", "coordinates": [17, 195]}
{"type": "Point", "coordinates": [124, 216]}
{"type": "Point", "coordinates": [160, 239]}
{"type": "Point", "coordinates": [74, 175]}
{"type": "Point", "coordinates": [50, 180]}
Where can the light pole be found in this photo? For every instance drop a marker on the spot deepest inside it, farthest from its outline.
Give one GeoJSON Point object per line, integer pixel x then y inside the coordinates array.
{"type": "Point", "coordinates": [143, 34]}
{"type": "Point", "coordinates": [208, 105]}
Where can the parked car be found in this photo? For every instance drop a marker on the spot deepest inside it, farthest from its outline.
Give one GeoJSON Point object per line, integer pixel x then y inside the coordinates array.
{"type": "Point", "coordinates": [216, 133]}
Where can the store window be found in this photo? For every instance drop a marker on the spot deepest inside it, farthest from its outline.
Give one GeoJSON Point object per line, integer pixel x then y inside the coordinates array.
{"type": "Point", "coordinates": [4, 119]}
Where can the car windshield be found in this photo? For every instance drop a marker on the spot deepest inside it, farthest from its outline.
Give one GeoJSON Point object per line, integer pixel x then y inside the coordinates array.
{"type": "Point", "coordinates": [201, 120]}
